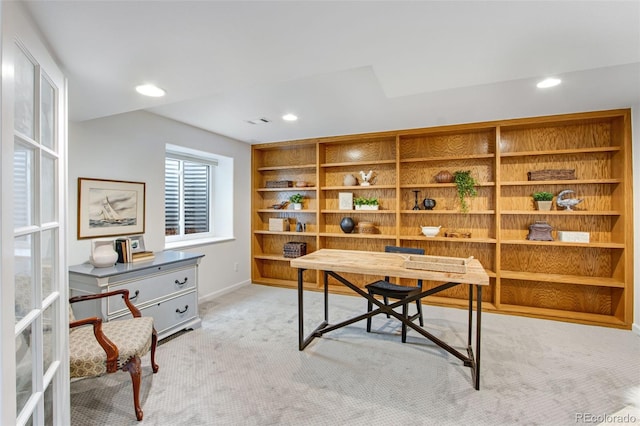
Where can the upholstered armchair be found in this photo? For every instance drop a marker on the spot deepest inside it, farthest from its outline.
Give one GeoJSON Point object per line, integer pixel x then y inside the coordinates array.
{"type": "Point", "coordinates": [111, 346]}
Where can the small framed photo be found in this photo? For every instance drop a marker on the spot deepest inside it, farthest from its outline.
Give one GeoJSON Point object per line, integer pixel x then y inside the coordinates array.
{"type": "Point", "coordinates": [137, 244]}
{"type": "Point", "coordinates": [345, 200]}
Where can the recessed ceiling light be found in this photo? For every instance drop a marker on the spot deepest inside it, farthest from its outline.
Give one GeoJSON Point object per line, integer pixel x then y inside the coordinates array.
{"type": "Point", "coordinates": [150, 90]}
{"type": "Point", "coordinates": [289, 117]}
{"type": "Point", "coordinates": [548, 82]}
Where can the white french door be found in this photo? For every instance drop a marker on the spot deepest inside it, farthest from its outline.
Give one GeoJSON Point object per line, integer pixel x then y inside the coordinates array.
{"type": "Point", "coordinates": [33, 281]}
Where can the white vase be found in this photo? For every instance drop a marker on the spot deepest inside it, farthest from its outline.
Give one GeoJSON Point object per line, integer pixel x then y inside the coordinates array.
{"type": "Point", "coordinates": [350, 180]}
{"type": "Point", "coordinates": [297, 206]}
{"type": "Point", "coordinates": [102, 254]}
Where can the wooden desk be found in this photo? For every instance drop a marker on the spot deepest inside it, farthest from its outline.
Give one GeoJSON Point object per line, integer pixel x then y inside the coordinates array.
{"type": "Point", "coordinates": [390, 264]}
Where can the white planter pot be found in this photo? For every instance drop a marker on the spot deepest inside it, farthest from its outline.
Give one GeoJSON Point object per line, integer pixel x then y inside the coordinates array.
{"type": "Point", "coordinates": [365, 207]}
{"type": "Point", "coordinates": [297, 206]}
{"type": "Point", "coordinates": [544, 205]}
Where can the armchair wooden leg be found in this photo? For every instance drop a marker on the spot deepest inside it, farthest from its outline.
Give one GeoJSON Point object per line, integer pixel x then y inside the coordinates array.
{"type": "Point", "coordinates": [133, 367]}
{"type": "Point", "coordinates": [154, 343]}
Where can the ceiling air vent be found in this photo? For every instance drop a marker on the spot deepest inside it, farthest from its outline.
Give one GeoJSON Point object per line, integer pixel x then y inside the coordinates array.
{"type": "Point", "coordinates": [259, 121]}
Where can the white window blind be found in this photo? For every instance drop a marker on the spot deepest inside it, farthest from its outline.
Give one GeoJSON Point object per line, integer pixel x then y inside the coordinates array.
{"type": "Point", "coordinates": [188, 196]}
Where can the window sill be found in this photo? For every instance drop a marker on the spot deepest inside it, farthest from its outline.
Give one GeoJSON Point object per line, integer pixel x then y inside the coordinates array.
{"type": "Point", "coordinates": [196, 243]}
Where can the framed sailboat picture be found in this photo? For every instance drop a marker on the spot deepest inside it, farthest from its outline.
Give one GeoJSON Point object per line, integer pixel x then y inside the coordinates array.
{"type": "Point", "coordinates": [110, 208]}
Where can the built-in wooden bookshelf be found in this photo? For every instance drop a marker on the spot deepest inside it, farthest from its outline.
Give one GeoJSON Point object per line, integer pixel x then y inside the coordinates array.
{"type": "Point", "coordinates": [589, 283]}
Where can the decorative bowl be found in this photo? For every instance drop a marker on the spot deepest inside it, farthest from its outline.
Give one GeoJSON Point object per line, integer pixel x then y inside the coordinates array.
{"type": "Point", "coordinates": [430, 231]}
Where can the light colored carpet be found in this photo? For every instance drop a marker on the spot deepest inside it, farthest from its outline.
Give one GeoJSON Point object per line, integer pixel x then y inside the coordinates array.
{"type": "Point", "coordinates": [243, 367]}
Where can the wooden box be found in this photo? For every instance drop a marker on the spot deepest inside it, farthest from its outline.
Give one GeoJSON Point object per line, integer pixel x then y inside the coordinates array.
{"type": "Point", "coordinates": [279, 183]}
{"type": "Point", "coordinates": [437, 263]}
{"type": "Point", "coordinates": [278, 224]}
{"type": "Point", "coordinates": [294, 249]}
{"type": "Point", "coordinates": [552, 174]}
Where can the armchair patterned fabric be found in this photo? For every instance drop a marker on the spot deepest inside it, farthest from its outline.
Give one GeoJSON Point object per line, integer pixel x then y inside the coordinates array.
{"type": "Point", "coordinates": [111, 346]}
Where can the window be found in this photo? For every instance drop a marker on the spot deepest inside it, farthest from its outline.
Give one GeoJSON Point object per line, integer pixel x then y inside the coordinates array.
{"type": "Point", "coordinates": [196, 188]}
{"type": "Point", "coordinates": [188, 185]}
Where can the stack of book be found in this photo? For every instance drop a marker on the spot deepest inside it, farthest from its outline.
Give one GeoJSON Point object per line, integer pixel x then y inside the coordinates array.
{"type": "Point", "coordinates": [126, 254]}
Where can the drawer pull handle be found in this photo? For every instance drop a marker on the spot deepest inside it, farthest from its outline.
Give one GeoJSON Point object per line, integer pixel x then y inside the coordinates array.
{"type": "Point", "coordinates": [135, 295]}
{"type": "Point", "coordinates": [183, 282]}
{"type": "Point", "coordinates": [186, 308]}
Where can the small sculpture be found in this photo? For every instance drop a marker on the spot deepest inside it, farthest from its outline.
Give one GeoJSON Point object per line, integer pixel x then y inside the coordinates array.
{"type": "Point", "coordinates": [366, 177]}
{"type": "Point", "coordinates": [349, 180]}
{"type": "Point", "coordinates": [567, 203]}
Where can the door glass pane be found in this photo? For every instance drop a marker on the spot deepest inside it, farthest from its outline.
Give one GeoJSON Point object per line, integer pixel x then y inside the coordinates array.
{"type": "Point", "coordinates": [48, 244]}
{"type": "Point", "coordinates": [23, 276]}
{"type": "Point", "coordinates": [23, 183]}
{"type": "Point", "coordinates": [24, 358]}
{"type": "Point", "coordinates": [48, 189]}
{"type": "Point", "coordinates": [48, 406]}
{"type": "Point", "coordinates": [47, 116]}
{"type": "Point", "coordinates": [48, 341]}
{"type": "Point", "coordinates": [24, 94]}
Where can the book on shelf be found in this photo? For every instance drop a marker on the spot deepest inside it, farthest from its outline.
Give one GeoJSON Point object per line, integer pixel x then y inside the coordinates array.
{"type": "Point", "coordinates": [126, 253]}
{"type": "Point", "coordinates": [142, 256]}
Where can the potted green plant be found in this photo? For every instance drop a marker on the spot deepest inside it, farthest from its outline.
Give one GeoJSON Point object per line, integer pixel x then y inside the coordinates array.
{"type": "Point", "coordinates": [465, 185]}
{"type": "Point", "coordinates": [543, 200]}
{"type": "Point", "coordinates": [364, 203]}
{"type": "Point", "coordinates": [296, 200]}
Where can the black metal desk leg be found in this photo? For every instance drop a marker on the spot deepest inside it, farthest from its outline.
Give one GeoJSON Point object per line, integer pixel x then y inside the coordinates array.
{"type": "Point", "coordinates": [326, 296]}
{"type": "Point", "coordinates": [478, 316]}
{"type": "Point", "coordinates": [300, 310]}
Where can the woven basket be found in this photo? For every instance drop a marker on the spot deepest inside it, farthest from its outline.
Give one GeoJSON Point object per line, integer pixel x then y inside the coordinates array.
{"type": "Point", "coordinates": [438, 263]}
{"type": "Point", "coordinates": [294, 249]}
{"type": "Point", "coordinates": [552, 174]}
{"type": "Point", "coordinates": [367, 228]}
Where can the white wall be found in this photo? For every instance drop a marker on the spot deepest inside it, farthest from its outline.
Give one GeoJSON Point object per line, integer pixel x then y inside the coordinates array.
{"type": "Point", "coordinates": [131, 147]}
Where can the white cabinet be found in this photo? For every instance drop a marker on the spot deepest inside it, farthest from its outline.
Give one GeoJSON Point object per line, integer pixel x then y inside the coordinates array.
{"type": "Point", "coordinates": [165, 288]}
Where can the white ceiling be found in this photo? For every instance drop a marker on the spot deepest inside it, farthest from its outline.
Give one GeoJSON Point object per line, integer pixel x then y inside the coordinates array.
{"type": "Point", "coordinates": [343, 67]}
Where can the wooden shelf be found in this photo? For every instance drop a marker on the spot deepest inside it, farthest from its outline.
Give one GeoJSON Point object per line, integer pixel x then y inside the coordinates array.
{"type": "Point", "coordinates": [561, 151]}
{"type": "Point", "coordinates": [285, 211]}
{"type": "Point", "coordinates": [564, 244]}
{"type": "Point", "coordinates": [297, 234]}
{"type": "Point", "coordinates": [442, 185]}
{"type": "Point", "coordinates": [292, 189]}
{"type": "Point", "coordinates": [354, 211]}
{"type": "Point", "coordinates": [542, 279]}
{"type": "Point", "coordinates": [562, 182]}
{"type": "Point", "coordinates": [358, 163]}
{"type": "Point", "coordinates": [565, 279]}
{"type": "Point", "coordinates": [356, 188]}
{"type": "Point", "coordinates": [448, 239]}
{"type": "Point", "coordinates": [456, 212]}
{"type": "Point", "coordinates": [290, 167]}
{"type": "Point", "coordinates": [356, 235]}
{"type": "Point", "coordinates": [446, 158]}
{"type": "Point", "coordinates": [562, 212]}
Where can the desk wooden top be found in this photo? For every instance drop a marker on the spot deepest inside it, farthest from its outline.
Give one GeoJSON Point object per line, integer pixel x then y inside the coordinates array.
{"type": "Point", "coordinates": [384, 264]}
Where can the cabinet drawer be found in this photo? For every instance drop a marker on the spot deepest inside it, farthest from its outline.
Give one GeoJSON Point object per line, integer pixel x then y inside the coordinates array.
{"type": "Point", "coordinates": [149, 289]}
{"type": "Point", "coordinates": [173, 312]}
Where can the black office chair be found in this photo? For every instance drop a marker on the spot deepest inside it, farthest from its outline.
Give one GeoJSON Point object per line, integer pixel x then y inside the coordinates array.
{"type": "Point", "coordinates": [389, 290]}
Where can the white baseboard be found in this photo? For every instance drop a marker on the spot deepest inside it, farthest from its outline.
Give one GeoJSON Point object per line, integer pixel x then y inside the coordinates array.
{"type": "Point", "coordinates": [636, 328]}
{"type": "Point", "coordinates": [224, 291]}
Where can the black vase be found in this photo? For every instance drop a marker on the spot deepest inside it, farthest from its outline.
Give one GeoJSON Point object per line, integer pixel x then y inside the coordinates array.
{"type": "Point", "coordinates": [429, 203]}
{"type": "Point", "coordinates": [347, 225]}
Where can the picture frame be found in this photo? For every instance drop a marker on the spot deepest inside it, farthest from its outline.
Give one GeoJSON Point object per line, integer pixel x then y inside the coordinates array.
{"type": "Point", "coordinates": [137, 243]}
{"type": "Point", "coordinates": [345, 201]}
{"type": "Point", "coordinates": [109, 208]}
